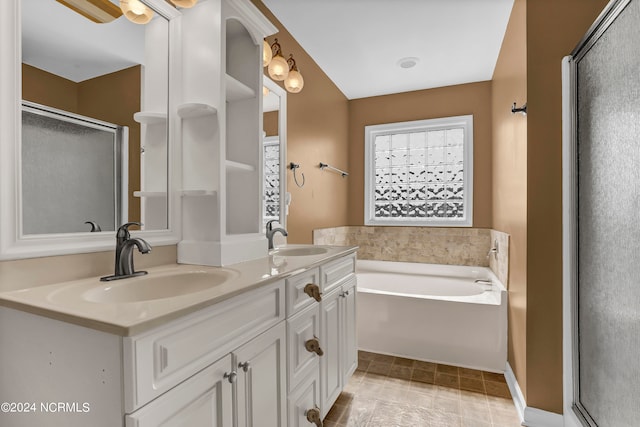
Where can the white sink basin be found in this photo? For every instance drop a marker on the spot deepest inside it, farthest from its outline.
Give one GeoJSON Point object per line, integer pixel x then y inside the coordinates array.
{"type": "Point", "coordinates": [306, 251]}
{"type": "Point", "coordinates": [151, 287]}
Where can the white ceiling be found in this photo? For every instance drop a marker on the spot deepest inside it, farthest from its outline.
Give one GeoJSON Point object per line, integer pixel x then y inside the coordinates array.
{"type": "Point", "coordinates": [63, 42]}
{"type": "Point", "coordinates": [358, 43]}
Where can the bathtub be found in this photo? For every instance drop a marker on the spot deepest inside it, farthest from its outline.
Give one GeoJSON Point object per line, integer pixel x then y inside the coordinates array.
{"type": "Point", "coordinates": [430, 312]}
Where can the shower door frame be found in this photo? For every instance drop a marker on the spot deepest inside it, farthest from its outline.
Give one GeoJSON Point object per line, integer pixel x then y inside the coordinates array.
{"type": "Point", "coordinates": [575, 415]}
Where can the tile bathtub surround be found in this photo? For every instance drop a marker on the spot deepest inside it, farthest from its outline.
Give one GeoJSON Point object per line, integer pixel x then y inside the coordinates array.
{"type": "Point", "coordinates": [500, 263]}
{"type": "Point", "coordinates": [432, 245]}
{"type": "Point", "coordinates": [389, 391]}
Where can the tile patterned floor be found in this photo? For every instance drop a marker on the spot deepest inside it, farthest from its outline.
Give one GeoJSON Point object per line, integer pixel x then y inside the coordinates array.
{"type": "Point", "coordinates": [389, 391]}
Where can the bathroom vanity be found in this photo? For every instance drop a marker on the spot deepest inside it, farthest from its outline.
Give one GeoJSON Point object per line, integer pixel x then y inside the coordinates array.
{"type": "Point", "coordinates": [269, 342]}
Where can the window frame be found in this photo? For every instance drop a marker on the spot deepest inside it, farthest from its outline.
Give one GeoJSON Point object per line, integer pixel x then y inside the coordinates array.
{"type": "Point", "coordinates": [372, 131]}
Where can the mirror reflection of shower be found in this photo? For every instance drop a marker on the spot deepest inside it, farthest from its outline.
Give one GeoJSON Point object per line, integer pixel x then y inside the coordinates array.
{"type": "Point", "coordinates": [73, 168]}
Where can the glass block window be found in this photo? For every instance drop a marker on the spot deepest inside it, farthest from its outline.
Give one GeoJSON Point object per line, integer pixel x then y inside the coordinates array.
{"type": "Point", "coordinates": [420, 172]}
{"type": "Point", "coordinates": [271, 156]}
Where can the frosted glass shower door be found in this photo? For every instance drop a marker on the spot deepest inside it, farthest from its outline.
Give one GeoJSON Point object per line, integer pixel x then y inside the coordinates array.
{"type": "Point", "coordinates": [73, 171]}
{"type": "Point", "coordinates": [606, 295]}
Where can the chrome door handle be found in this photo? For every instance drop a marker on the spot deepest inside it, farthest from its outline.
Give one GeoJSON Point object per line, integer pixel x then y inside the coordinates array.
{"type": "Point", "coordinates": [245, 366]}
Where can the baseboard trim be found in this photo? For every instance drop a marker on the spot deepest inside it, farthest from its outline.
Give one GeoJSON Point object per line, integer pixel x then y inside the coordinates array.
{"type": "Point", "coordinates": [529, 416]}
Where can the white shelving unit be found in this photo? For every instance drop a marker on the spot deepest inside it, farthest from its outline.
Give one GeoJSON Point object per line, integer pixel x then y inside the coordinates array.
{"type": "Point", "coordinates": [238, 167]}
{"type": "Point", "coordinates": [149, 194]}
{"type": "Point", "coordinates": [236, 90]}
{"type": "Point", "coordinates": [149, 118]}
{"type": "Point", "coordinates": [198, 193]}
{"type": "Point", "coordinates": [195, 110]}
{"type": "Point", "coordinates": [221, 127]}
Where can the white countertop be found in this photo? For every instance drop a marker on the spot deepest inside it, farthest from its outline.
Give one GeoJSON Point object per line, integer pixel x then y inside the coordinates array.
{"type": "Point", "coordinates": [66, 302]}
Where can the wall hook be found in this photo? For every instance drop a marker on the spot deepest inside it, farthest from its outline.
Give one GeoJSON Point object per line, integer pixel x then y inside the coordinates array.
{"type": "Point", "coordinates": [522, 109]}
{"type": "Point", "coordinates": [293, 167]}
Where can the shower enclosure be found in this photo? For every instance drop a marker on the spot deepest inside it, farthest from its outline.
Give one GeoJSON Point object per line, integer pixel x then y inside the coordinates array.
{"type": "Point", "coordinates": [74, 172]}
{"type": "Point", "coordinates": [601, 161]}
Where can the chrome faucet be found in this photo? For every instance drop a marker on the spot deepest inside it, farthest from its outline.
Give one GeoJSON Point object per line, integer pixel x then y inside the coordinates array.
{"type": "Point", "coordinates": [271, 231]}
{"type": "Point", "coordinates": [493, 250]}
{"type": "Point", "coordinates": [124, 253]}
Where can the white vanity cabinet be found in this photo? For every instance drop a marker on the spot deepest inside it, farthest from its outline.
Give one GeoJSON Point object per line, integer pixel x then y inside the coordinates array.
{"type": "Point", "coordinates": [252, 376]}
{"type": "Point", "coordinates": [268, 355]}
{"type": "Point", "coordinates": [337, 329]}
{"type": "Point", "coordinates": [321, 337]}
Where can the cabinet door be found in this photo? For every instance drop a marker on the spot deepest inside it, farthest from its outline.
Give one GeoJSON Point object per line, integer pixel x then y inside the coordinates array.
{"type": "Point", "coordinates": [330, 336]}
{"type": "Point", "coordinates": [261, 384]}
{"type": "Point", "coordinates": [349, 340]}
{"type": "Point", "coordinates": [305, 398]}
{"type": "Point", "coordinates": [303, 328]}
{"type": "Point", "coordinates": [204, 400]}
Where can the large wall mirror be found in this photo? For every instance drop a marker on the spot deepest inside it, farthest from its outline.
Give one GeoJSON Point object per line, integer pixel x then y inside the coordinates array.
{"type": "Point", "coordinates": [274, 144]}
{"type": "Point", "coordinates": [92, 129]}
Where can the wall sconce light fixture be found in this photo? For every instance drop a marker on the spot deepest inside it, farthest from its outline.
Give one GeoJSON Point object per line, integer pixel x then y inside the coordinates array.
{"type": "Point", "coordinates": [522, 109]}
{"type": "Point", "coordinates": [136, 11]}
{"type": "Point", "coordinates": [294, 81]}
{"type": "Point", "coordinates": [266, 53]}
{"type": "Point", "coordinates": [281, 69]}
{"type": "Point", "coordinates": [278, 67]}
{"type": "Point", "coordinates": [100, 11]}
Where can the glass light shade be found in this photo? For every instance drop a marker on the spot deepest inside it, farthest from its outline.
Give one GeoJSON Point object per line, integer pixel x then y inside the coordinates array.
{"type": "Point", "coordinates": [294, 81]}
{"type": "Point", "coordinates": [278, 68]}
{"type": "Point", "coordinates": [136, 11]}
{"type": "Point", "coordinates": [184, 3]}
{"type": "Point", "coordinates": [266, 53]}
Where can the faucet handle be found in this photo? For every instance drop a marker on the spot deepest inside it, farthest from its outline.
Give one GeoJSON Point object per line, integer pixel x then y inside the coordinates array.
{"type": "Point", "coordinates": [270, 224]}
{"type": "Point", "coordinates": [123, 230]}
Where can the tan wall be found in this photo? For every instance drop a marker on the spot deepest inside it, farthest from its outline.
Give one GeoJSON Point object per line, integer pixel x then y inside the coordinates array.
{"type": "Point", "coordinates": [113, 98]}
{"type": "Point", "coordinates": [317, 131]}
{"type": "Point", "coordinates": [554, 28]}
{"type": "Point", "coordinates": [474, 98]}
{"type": "Point", "coordinates": [509, 181]}
{"type": "Point", "coordinates": [270, 123]}
{"type": "Point", "coordinates": [48, 89]}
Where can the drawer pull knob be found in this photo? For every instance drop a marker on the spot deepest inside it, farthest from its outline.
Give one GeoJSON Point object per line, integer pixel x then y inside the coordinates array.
{"type": "Point", "coordinates": [231, 376]}
{"type": "Point", "coordinates": [245, 366]}
{"type": "Point", "coordinates": [313, 291]}
{"type": "Point", "coordinates": [344, 294]}
{"type": "Point", "coordinates": [313, 346]}
{"type": "Point", "coordinates": [313, 416]}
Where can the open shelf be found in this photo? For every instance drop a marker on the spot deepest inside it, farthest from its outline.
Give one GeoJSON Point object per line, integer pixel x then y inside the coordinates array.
{"type": "Point", "coordinates": [238, 167]}
{"type": "Point", "coordinates": [236, 90]}
{"type": "Point", "coordinates": [149, 118]}
{"type": "Point", "coordinates": [198, 193]}
{"type": "Point", "coordinates": [149, 194]}
{"type": "Point", "coordinates": [194, 109]}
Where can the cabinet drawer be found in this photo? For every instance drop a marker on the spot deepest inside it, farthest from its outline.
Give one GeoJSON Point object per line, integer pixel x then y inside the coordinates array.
{"type": "Point", "coordinates": [297, 299]}
{"type": "Point", "coordinates": [162, 358]}
{"type": "Point", "coordinates": [334, 272]}
{"type": "Point", "coordinates": [302, 327]}
{"type": "Point", "coordinates": [304, 398]}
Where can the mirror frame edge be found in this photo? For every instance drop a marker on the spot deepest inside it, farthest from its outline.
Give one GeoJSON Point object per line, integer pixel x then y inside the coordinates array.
{"type": "Point", "coordinates": [282, 135]}
{"type": "Point", "coordinates": [12, 245]}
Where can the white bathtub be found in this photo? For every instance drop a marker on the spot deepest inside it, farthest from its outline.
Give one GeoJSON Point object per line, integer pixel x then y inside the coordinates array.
{"type": "Point", "coordinates": [430, 312]}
